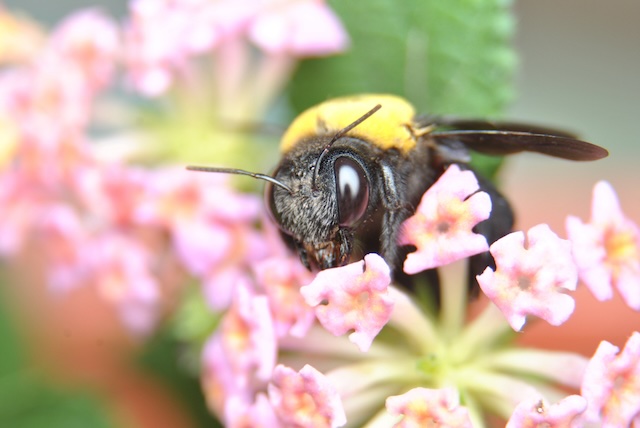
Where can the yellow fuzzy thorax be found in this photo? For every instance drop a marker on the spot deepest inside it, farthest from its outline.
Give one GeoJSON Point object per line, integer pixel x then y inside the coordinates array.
{"type": "Point", "coordinates": [390, 127]}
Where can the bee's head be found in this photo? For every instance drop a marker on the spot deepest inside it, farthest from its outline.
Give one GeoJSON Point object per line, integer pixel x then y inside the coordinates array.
{"type": "Point", "coordinates": [317, 194]}
{"type": "Point", "coordinates": [329, 195]}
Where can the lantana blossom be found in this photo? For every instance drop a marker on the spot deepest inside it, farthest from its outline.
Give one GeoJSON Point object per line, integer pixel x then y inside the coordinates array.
{"type": "Point", "coordinates": [274, 360]}
{"type": "Point", "coordinates": [281, 278]}
{"type": "Point", "coordinates": [531, 280]}
{"type": "Point", "coordinates": [607, 249]}
{"type": "Point", "coordinates": [441, 228]}
{"type": "Point", "coordinates": [356, 299]}
{"type": "Point", "coordinates": [611, 384]}
{"type": "Point", "coordinates": [423, 407]}
{"type": "Point", "coordinates": [305, 398]}
{"type": "Point", "coordinates": [567, 413]}
{"type": "Point", "coordinates": [299, 28]}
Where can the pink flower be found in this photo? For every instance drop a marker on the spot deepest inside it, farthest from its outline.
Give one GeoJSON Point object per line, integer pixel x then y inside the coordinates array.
{"type": "Point", "coordinates": [564, 414]}
{"type": "Point", "coordinates": [155, 55]}
{"type": "Point", "coordinates": [531, 280]}
{"type": "Point", "coordinates": [353, 297]}
{"type": "Point", "coordinates": [305, 399]}
{"type": "Point", "coordinates": [441, 228]}
{"type": "Point", "coordinates": [238, 360]}
{"type": "Point", "coordinates": [224, 390]}
{"type": "Point", "coordinates": [89, 40]}
{"type": "Point", "coordinates": [607, 250]}
{"type": "Point", "coordinates": [423, 407]}
{"type": "Point", "coordinates": [216, 242]}
{"type": "Point", "coordinates": [611, 384]}
{"type": "Point", "coordinates": [162, 35]}
{"type": "Point", "coordinates": [46, 100]}
{"type": "Point", "coordinates": [257, 414]}
{"type": "Point", "coordinates": [65, 240]}
{"type": "Point", "coordinates": [248, 337]}
{"type": "Point", "coordinates": [281, 279]}
{"type": "Point", "coordinates": [299, 28]}
{"type": "Point", "coordinates": [122, 273]}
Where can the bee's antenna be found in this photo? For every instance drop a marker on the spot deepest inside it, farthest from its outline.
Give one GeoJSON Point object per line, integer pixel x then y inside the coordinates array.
{"type": "Point", "coordinates": [339, 135]}
{"type": "Point", "coordinates": [241, 172]}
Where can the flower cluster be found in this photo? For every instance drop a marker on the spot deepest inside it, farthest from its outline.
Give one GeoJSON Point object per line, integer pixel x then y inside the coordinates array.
{"type": "Point", "coordinates": [71, 196]}
{"type": "Point", "coordinates": [429, 371]}
{"type": "Point", "coordinates": [346, 346]}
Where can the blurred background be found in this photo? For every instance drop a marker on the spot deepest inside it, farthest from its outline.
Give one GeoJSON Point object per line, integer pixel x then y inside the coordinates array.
{"type": "Point", "coordinates": [580, 71]}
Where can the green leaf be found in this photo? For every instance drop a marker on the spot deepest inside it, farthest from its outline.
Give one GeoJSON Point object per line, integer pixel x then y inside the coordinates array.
{"type": "Point", "coordinates": [30, 403]}
{"type": "Point", "coordinates": [445, 56]}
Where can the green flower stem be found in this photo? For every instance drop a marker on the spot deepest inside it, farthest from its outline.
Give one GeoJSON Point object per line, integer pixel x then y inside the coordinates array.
{"type": "Point", "coordinates": [453, 299]}
{"type": "Point", "coordinates": [565, 368]}
{"type": "Point", "coordinates": [318, 341]}
{"type": "Point", "coordinates": [353, 379]}
{"type": "Point", "coordinates": [367, 403]}
{"type": "Point", "coordinates": [382, 419]}
{"type": "Point", "coordinates": [498, 392]}
{"type": "Point", "coordinates": [481, 334]}
{"type": "Point", "coordinates": [413, 324]}
{"type": "Point", "coordinates": [475, 411]}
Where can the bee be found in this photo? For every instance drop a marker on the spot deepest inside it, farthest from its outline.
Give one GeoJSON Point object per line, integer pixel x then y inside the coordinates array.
{"type": "Point", "coordinates": [353, 169]}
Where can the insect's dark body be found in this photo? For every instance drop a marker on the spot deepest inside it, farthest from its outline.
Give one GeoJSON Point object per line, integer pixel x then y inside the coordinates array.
{"type": "Point", "coordinates": [396, 182]}
{"type": "Point", "coordinates": [346, 181]}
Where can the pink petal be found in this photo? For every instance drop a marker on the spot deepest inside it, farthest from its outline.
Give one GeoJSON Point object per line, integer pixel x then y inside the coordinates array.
{"type": "Point", "coordinates": [441, 228]}
{"type": "Point", "coordinates": [531, 280]}
{"type": "Point", "coordinates": [305, 399]}
{"type": "Point", "coordinates": [281, 278]}
{"type": "Point", "coordinates": [302, 28]}
{"type": "Point", "coordinates": [612, 384]}
{"type": "Point", "coordinates": [607, 249]}
{"type": "Point", "coordinates": [564, 414]}
{"type": "Point", "coordinates": [353, 297]}
{"type": "Point", "coordinates": [421, 407]}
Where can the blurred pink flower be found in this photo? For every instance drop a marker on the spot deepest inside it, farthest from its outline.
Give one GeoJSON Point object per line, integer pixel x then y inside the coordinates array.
{"type": "Point", "coordinates": [607, 249]}
{"type": "Point", "coordinates": [258, 414]}
{"type": "Point", "coordinates": [214, 241]}
{"type": "Point", "coordinates": [46, 100]}
{"type": "Point", "coordinates": [89, 40]}
{"type": "Point", "coordinates": [531, 280]}
{"type": "Point", "coordinates": [441, 228]}
{"type": "Point", "coordinates": [611, 384]}
{"type": "Point", "coordinates": [163, 35]}
{"type": "Point", "coordinates": [65, 239]}
{"type": "Point", "coordinates": [352, 297]}
{"type": "Point", "coordinates": [123, 274]}
{"type": "Point", "coordinates": [567, 413]}
{"type": "Point", "coordinates": [56, 90]}
{"type": "Point", "coordinates": [422, 407]}
{"type": "Point", "coordinates": [299, 28]}
{"type": "Point", "coordinates": [247, 334]}
{"type": "Point", "coordinates": [281, 278]}
{"type": "Point", "coordinates": [305, 399]}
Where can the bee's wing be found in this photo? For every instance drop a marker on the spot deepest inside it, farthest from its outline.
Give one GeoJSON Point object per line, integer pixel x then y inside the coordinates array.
{"type": "Point", "coordinates": [461, 124]}
{"type": "Point", "coordinates": [504, 142]}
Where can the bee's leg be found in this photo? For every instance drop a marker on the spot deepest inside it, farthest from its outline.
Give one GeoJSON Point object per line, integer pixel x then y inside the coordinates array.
{"type": "Point", "coordinates": [395, 213]}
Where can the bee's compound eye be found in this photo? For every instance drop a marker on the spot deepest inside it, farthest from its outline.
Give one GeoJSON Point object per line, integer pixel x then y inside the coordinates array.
{"type": "Point", "coordinates": [352, 188]}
